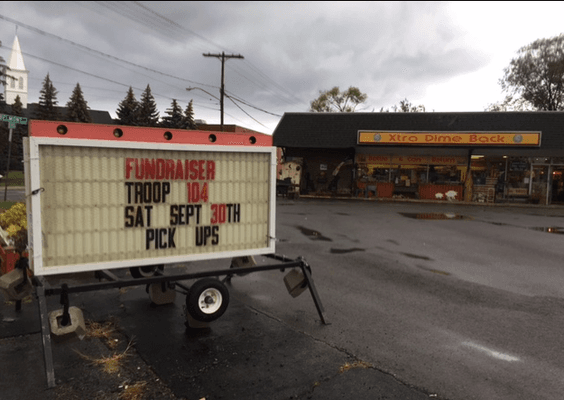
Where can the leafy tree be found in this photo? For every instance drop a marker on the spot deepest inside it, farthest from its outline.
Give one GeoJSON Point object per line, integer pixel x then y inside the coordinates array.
{"type": "Point", "coordinates": [336, 101]}
{"type": "Point", "coordinates": [189, 116]}
{"type": "Point", "coordinates": [536, 75]}
{"type": "Point", "coordinates": [47, 101]}
{"type": "Point", "coordinates": [148, 112]}
{"type": "Point", "coordinates": [405, 106]}
{"type": "Point", "coordinates": [174, 118]}
{"type": "Point", "coordinates": [128, 109]}
{"type": "Point", "coordinates": [510, 104]}
{"type": "Point", "coordinates": [77, 107]}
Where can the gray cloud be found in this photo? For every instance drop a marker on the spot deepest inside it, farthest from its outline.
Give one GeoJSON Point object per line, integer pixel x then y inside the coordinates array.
{"type": "Point", "coordinates": [292, 51]}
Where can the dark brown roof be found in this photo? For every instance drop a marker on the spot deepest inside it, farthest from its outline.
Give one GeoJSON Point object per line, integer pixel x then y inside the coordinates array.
{"type": "Point", "coordinates": [98, 116]}
{"type": "Point", "coordinates": [339, 130]}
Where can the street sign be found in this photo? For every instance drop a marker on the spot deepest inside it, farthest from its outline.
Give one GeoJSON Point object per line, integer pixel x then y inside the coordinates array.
{"type": "Point", "coordinates": [13, 120]}
{"type": "Point", "coordinates": [113, 197]}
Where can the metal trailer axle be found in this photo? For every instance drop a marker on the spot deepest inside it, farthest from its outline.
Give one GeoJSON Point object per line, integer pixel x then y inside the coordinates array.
{"type": "Point", "coordinates": [43, 290]}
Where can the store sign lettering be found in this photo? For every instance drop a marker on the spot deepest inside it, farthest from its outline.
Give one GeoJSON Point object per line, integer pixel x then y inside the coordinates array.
{"type": "Point", "coordinates": [386, 161]}
{"type": "Point", "coordinates": [450, 138]}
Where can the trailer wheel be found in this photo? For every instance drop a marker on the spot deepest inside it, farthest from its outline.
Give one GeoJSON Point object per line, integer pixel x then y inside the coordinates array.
{"type": "Point", "coordinates": [145, 272]}
{"type": "Point", "coordinates": [207, 300]}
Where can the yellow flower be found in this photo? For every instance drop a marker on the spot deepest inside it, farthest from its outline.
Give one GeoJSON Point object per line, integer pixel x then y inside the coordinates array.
{"type": "Point", "coordinates": [14, 219]}
{"type": "Point", "coordinates": [13, 230]}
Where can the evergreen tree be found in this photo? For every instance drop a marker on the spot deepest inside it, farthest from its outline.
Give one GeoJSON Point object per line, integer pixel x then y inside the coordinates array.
{"type": "Point", "coordinates": [77, 107]}
{"type": "Point", "coordinates": [174, 118]}
{"type": "Point", "coordinates": [3, 75]}
{"type": "Point", "coordinates": [128, 109]}
{"type": "Point", "coordinates": [19, 133]}
{"type": "Point", "coordinates": [3, 104]}
{"type": "Point", "coordinates": [47, 101]}
{"type": "Point", "coordinates": [3, 147]}
{"type": "Point", "coordinates": [17, 107]}
{"type": "Point", "coordinates": [189, 117]}
{"type": "Point", "coordinates": [16, 154]}
{"type": "Point", "coordinates": [148, 112]}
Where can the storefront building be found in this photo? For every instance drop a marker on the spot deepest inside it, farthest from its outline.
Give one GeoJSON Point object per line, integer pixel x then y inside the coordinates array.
{"type": "Point", "coordinates": [479, 157]}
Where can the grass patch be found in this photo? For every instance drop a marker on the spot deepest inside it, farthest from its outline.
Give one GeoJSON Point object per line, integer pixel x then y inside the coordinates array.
{"type": "Point", "coordinates": [357, 364]}
{"type": "Point", "coordinates": [133, 392]}
{"type": "Point", "coordinates": [15, 178]}
{"type": "Point", "coordinates": [5, 205]}
{"type": "Point", "coordinates": [103, 331]}
{"type": "Point", "coordinates": [110, 364]}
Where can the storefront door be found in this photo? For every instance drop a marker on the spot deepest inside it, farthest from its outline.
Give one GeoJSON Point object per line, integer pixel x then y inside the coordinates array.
{"type": "Point", "coordinates": [557, 185]}
{"type": "Point", "coordinates": [539, 184]}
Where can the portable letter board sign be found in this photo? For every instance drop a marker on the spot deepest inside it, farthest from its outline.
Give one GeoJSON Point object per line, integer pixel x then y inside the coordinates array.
{"type": "Point", "coordinates": [104, 197]}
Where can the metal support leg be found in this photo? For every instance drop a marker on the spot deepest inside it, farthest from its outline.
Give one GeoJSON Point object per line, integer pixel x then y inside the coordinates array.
{"type": "Point", "coordinates": [313, 291]}
{"type": "Point", "coordinates": [46, 336]}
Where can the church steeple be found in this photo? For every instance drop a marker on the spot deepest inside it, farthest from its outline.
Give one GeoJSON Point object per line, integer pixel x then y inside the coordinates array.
{"type": "Point", "coordinates": [16, 86]}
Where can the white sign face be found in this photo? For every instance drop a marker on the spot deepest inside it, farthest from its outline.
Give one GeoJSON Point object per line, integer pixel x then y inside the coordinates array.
{"type": "Point", "coordinates": [106, 205]}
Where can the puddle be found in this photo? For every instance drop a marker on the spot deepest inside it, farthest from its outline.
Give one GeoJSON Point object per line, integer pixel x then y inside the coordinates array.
{"type": "Point", "coordinates": [435, 216]}
{"type": "Point", "coordinates": [344, 251]}
{"type": "Point", "coordinates": [313, 235]}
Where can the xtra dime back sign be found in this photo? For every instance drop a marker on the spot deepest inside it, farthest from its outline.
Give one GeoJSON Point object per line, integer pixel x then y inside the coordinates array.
{"type": "Point", "coordinates": [99, 199]}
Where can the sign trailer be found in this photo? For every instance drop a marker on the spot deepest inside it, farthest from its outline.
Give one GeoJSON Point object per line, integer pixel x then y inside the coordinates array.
{"type": "Point", "coordinates": [103, 197]}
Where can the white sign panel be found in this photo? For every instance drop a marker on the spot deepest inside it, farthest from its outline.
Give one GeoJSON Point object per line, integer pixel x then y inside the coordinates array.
{"type": "Point", "coordinates": [102, 204]}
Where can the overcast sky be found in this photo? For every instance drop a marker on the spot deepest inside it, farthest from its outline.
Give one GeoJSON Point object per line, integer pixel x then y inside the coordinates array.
{"type": "Point", "coordinates": [446, 56]}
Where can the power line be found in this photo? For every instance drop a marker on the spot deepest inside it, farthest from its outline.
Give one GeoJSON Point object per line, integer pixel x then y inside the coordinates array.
{"type": "Point", "coordinates": [168, 22]}
{"type": "Point", "coordinates": [223, 57]}
{"type": "Point", "coordinates": [232, 96]}
{"type": "Point", "coordinates": [106, 79]}
{"type": "Point", "coordinates": [139, 18]}
{"type": "Point", "coordinates": [100, 53]}
{"type": "Point", "coordinates": [249, 115]}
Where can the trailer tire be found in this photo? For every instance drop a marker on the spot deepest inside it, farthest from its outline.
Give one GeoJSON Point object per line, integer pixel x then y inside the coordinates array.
{"type": "Point", "coordinates": [207, 300]}
{"type": "Point", "coordinates": [147, 271]}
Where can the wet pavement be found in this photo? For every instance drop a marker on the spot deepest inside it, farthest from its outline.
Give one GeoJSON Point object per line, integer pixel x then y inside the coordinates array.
{"type": "Point", "coordinates": [251, 353]}
{"type": "Point", "coordinates": [246, 354]}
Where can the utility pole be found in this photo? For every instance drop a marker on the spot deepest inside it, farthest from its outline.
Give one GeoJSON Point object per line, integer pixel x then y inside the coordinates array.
{"type": "Point", "coordinates": [223, 57]}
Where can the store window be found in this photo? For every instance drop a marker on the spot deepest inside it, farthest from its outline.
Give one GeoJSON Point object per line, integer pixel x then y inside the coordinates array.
{"type": "Point", "coordinates": [519, 173]}
{"type": "Point", "coordinates": [444, 174]}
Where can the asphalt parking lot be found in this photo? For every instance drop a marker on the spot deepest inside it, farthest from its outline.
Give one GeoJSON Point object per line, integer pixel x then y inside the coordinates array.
{"type": "Point", "coordinates": [246, 354]}
{"type": "Point", "coordinates": [415, 311]}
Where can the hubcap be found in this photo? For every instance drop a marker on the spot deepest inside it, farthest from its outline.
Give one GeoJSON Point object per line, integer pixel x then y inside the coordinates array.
{"type": "Point", "coordinates": [210, 301]}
